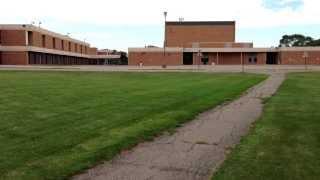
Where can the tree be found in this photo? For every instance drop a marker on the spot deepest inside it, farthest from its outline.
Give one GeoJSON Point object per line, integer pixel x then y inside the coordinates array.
{"type": "Point", "coordinates": [315, 43]}
{"type": "Point", "coordinates": [298, 40]}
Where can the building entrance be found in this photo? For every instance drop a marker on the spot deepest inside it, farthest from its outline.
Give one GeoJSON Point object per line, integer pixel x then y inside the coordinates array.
{"type": "Point", "coordinates": [272, 58]}
{"type": "Point", "coordinates": [187, 58]}
{"type": "Point", "coordinates": [205, 58]}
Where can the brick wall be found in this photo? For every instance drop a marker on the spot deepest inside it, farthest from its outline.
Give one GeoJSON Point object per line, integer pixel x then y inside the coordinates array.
{"type": "Point", "coordinates": [158, 58]}
{"type": "Point", "coordinates": [233, 58]}
{"type": "Point", "coordinates": [35, 39]}
{"type": "Point", "coordinates": [155, 58]}
{"type": "Point", "coordinates": [296, 57]}
{"type": "Point", "coordinates": [262, 58]}
{"type": "Point", "coordinates": [14, 58]}
{"type": "Point", "coordinates": [18, 38]}
{"type": "Point", "coordinates": [42, 39]}
{"type": "Point", "coordinates": [229, 58]}
{"type": "Point", "coordinates": [13, 38]}
{"type": "Point", "coordinates": [184, 35]}
{"type": "Point", "coordinates": [92, 51]}
{"type": "Point", "coordinates": [49, 42]}
{"type": "Point", "coordinates": [224, 45]}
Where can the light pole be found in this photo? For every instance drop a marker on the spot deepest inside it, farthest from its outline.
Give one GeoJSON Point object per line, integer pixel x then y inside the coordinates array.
{"type": "Point", "coordinates": [165, 13]}
{"type": "Point", "coordinates": [242, 63]}
{"type": "Point", "coordinates": [199, 58]}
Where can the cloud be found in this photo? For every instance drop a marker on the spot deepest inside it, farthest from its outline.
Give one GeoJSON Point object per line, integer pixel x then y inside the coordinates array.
{"type": "Point", "coordinates": [281, 4]}
{"type": "Point", "coordinates": [246, 12]}
{"type": "Point", "coordinates": [87, 19]}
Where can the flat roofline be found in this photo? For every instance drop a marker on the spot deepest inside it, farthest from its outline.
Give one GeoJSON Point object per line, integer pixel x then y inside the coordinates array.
{"type": "Point", "coordinates": [167, 49]}
{"type": "Point", "coordinates": [30, 27]}
{"type": "Point", "coordinates": [200, 23]}
{"type": "Point", "coordinates": [227, 42]}
{"type": "Point", "coordinates": [230, 50]}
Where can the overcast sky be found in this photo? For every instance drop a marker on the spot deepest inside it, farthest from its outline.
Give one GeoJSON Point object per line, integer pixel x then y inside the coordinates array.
{"type": "Point", "coordinates": [119, 24]}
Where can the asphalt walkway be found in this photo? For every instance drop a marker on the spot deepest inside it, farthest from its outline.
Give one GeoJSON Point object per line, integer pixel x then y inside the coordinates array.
{"type": "Point", "coordinates": [197, 149]}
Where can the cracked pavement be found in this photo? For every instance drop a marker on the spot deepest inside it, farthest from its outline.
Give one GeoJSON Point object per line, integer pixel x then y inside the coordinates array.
{"type": "Point", "coordinates": [195, 150]}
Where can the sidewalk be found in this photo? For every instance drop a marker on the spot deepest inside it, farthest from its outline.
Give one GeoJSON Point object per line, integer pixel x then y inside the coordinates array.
{"type": "Point", "coordinates": [196, 149]}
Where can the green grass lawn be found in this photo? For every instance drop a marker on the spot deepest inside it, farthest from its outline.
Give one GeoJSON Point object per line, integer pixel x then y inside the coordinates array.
{"type": "Point", "coordinates": [54, 124]}
{"type": "Point", "coordinates": [285, 144]}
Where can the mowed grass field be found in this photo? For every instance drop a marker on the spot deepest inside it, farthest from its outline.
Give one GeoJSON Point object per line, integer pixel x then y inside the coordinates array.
{"type": "Point", "coordinates": [55, 124]}
{"type": "Point", "coordinates": [285, 144]}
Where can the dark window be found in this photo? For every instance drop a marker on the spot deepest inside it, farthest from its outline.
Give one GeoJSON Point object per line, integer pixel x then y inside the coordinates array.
{"type": "Point", "coordinates": [30, 38]}
{"type": "Point", "coordinates": [255, 60]}
{"type": "Point", "coordinates": [69, 46]}
{"type": "Point", "coordinates": [54, 43]}
{"type": "Point", "coordinates": [81, 49]}
{"type": "Point", "coordinates": [250, 60]}
{"type": "Point", "coordinates": [272, 58]}
{"type": "Point", "coordinates": [85, 50]}
{"type": "Point", "coordinates": [62, 44]}
{"type": "Point", "coordinates": [0, 36]}
{"type": "Point", "coordinates": [76, 47]}
{"type": "Point", "coordinates": [187, 58]}
{"type": "Point", "coordinates": [43, 40]}
{"type": "Point", "coordinates": [205, 58]}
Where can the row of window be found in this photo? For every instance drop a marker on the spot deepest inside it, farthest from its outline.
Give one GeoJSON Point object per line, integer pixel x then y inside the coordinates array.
{"type": "Point", "coordinates": [41, 58]}
{"type": "Point", "coordinates": [83, 49]}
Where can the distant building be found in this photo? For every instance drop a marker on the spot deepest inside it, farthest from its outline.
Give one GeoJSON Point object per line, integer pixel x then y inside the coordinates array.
{"type": "Point", "coordinates": [213, 42]}
{"type": "Point", "coordinates": [120, 57]}
{"type": "Point", "coordinates": [28, 44]}
{"type": "Point", "coordinates": [151, 46]}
